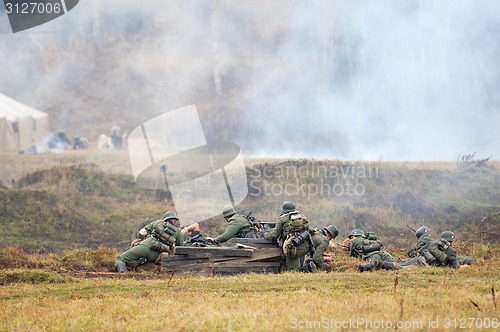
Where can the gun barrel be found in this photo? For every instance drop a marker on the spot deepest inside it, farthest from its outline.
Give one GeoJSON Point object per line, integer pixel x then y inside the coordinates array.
{"type": "Point", "coordinates": [411, 228]}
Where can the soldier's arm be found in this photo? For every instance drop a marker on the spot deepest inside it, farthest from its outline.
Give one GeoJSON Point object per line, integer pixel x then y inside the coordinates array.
{"type": "Point", "coordinates": [354, 249]}
{"type": "Point", "coordinates": [451, 258]}
{"type": "Point", "coordinates": [275, 232]}
{"type": "Point", "coordinates": [318, 253]}
{"type": "Point", "coordinates": [179, 241]}
{"type": "Point", "coordinates": [149, 227]}
{"type": "Point", "coordinates": [232, 229]}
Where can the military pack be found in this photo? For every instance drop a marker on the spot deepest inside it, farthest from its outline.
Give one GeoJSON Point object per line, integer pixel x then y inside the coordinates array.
{"type": "Point", "coordinates": [165, 233]}
{"type": "Point", "coordinates": [370, 246]}
{"type": "Point", "coordinates": [298, 222]}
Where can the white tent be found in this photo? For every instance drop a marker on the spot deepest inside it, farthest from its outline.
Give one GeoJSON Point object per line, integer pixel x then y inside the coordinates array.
{"type": "Point", "coordinates": [21, 126]}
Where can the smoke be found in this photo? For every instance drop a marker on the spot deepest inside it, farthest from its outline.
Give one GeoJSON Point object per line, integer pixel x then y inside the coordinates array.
{"type": "Point", "coordinates": [391, 80]}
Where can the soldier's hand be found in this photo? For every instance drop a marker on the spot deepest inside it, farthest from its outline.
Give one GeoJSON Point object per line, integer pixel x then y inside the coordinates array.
{"type": "Point", "coordinates": [209, 238]}
{"type": "Point", "coordinates": [328, 258]}
{"type": "Point", "coordinates": [465, 265]}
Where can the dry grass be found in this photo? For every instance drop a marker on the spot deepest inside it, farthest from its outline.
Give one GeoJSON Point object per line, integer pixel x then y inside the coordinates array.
{"type": "Point", "coordinates": [42, 300]}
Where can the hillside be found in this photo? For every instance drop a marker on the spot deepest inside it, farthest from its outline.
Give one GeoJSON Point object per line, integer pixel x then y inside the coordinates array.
{"type": "Point", "coordinates": [73, 204]}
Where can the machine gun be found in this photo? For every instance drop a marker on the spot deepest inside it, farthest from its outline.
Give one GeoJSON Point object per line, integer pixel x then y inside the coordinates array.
{"type": "Point", "coordinates": [260, 227]}
{"type": "Point", "coordinates": [199, 241]}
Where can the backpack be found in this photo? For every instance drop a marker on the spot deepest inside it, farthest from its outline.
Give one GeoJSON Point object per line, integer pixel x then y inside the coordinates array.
{"type": "Point", "coordinates": [298, 222]}
{"type": "Point", "coordinates": [370, 246]}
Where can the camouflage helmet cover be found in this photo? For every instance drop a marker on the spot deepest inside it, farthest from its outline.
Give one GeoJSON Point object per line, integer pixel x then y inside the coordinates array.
{"type": "Point", "coordinates": [332, 230]}
{"type": "Point", "coordinates": [288, 207]}
{"type": "Point", "coordinates": [448, 236]}
{"type": "Point", "coordinates": [422, 231]}
{"type": "Point", "coordinates": [228, 211]}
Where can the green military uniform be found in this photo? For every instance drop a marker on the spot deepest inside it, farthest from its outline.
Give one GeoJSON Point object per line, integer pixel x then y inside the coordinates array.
{"type": "Point", "coordinates": [356, 250]}
{"type": "Point", "coordinates": [444, 256]}
{"type": "Point", "coordinates": [238, 226]}
{"type": "Point", "coordinates": [423, 241]}
{"type": "Point", "coordinates": [320, 244]}
{"type": "Point", "coordinates": [148, 249]}
{"type": "Point", "coordinates": [284, 231]}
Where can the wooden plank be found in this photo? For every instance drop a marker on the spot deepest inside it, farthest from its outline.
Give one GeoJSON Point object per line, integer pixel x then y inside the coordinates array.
{"type": "Point", "coordinates": [257, 243]}
{"type": "Point", "coordinates": [183, 263]}
{"type": "Point", "coordinates": [234, 271]}
{"type": "Point", "coordinates": [185, 257]}
{"type": "Point", "coordinates": [213, 251]}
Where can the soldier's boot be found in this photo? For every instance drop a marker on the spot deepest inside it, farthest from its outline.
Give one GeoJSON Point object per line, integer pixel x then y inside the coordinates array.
{"type": "Point", "coordinates": [161, 256]}
{"type": "Point", "coordinates": [121, 267]}
{"type": "Point", "coordinates": [311, 267]}
{"type": "Point", "coordinates": [386, 265]}
{"type": "Point", "coordinates": [366, 267]}
{"type": "Point", "coordinates": [464, 260]}
{"type": "Point", "coordinates": [136, 262]}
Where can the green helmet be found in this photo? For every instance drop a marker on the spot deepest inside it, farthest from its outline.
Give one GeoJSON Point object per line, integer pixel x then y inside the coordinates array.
{"type": "Point", "coordinates": [371, 236]}
{"type": "Point", "coordinates": [170, 215]}
{"type": "Point", "coordinates": [422, 231]}
{"type": "Point", "coordinates": [357, 232]}
{"type": "Point", "coordinates": [288, 207]}
{"type": "Point", "coordinates": [228, 211]}
{"type": "Point", "coordinates": [332, 230]}
{"type": "Point", "coordinates": [448, 236]}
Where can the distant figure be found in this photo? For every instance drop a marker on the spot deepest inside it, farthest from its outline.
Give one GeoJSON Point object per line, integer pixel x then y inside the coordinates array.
{"type": "Point", "coordinates": [58, 141]}
{"type": "Point", "coordinates": [117, 137]}
{"type": "Point", "coordinates": [80, 143]}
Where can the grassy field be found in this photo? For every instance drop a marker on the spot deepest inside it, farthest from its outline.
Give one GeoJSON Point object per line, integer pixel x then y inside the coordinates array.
{"type": "Point", "coordinates": [65, 217]}
{"type": "Point", "coordinates": [52, 292]}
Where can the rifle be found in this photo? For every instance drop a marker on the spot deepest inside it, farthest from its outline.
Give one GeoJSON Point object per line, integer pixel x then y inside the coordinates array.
{"type": "Point", "coordinates": [411, 228]}
{"type": "Point", "coordinates": [342, 245]}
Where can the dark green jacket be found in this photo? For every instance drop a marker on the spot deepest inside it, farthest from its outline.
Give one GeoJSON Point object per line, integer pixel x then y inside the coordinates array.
{"type": "Point", "coordinates": [320, 243]}
{"type": "Point", "coordinates": [237, 224]}
{"type": "Point", "coordinates": [423, 241]}
{"type": "Point", "coordinates": [356, 250]}
{"type": "Point", "coordinates": [447, 257]}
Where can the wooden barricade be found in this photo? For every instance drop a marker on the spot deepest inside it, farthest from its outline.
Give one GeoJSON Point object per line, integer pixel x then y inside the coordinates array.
{"type": "Point", "coordinates": [247, 256]}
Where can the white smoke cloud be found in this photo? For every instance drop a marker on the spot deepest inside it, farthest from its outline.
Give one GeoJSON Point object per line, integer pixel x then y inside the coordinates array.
{"type": "Point", "coordinates": [391, 80]}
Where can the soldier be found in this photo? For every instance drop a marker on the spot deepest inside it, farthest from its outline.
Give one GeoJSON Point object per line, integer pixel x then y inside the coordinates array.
{"type": "Point", "coordinates": [423, 238]}
{"type": "Point", "coordinates": [164, 236]}
{"type": "Point", "coordinates": [368, 249]}
{"type": "Point", "coordinates": [238, 226]}
{"type": "Point", "coordinates": [320, 240]}
{"type": "Point", "coordinates": [443, 253]}
{"type": "Point", "coordinates": [292, 233]}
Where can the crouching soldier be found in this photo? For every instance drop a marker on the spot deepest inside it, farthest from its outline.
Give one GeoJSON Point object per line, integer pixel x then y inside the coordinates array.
{"type": "Point", "coordinates": [320, 239]}
{"type": "Point", "coordinates": [442, 252]}
{"type": "Point", "coordinates": [292, 234]}
{"type": "Point", "coordinates": [238, 226]}
{"type": "Point", "coordinates": [369, 249]}
{"type": "Point", "coordinates": [164, 236]}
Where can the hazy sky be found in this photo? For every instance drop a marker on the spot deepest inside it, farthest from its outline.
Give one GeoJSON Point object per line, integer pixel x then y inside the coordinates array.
{"type": "Point", "coordinates": [390, 80]}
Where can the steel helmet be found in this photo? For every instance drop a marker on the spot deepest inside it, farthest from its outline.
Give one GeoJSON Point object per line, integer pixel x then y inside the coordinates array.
{"type": "Point", "coordinates": [332, 230]}
{"type": "Point", "coordinates": [422, 231]}
{"type": "Point", "coordinates": [448, 236]}
{"type": "Point", "coordinates": [169, 215]}
{"type": "Point", "coordinates": [357, 232]}
{"type": "Point", "coordinates": [228, 211]}
{"type": "Point", "coordinates": [288, 207]}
